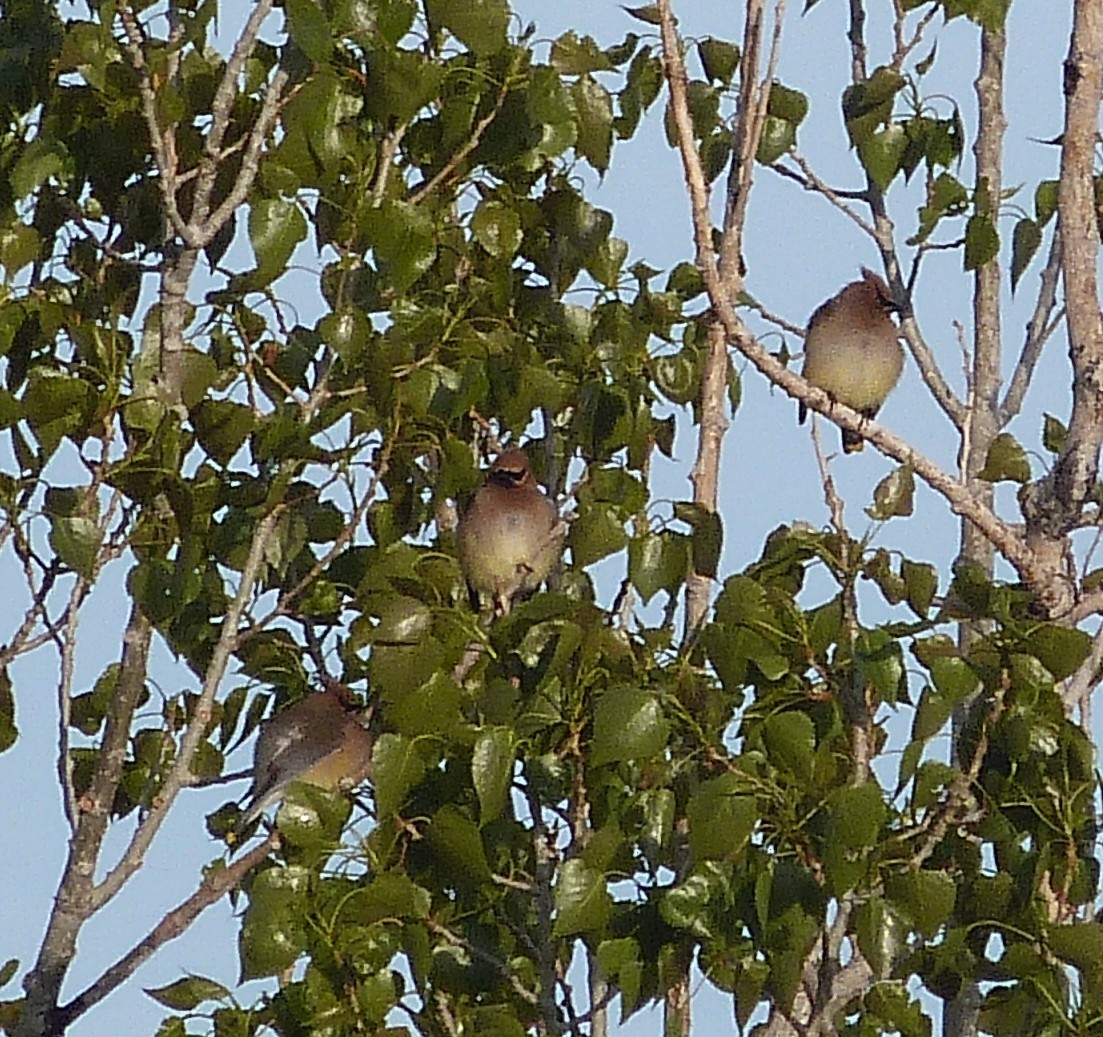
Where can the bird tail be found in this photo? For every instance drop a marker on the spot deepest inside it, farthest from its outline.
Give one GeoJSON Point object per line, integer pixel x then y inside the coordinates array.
{"type": "Point", "coordinates": [258, 802]}
{"type": "Point", "coordinates": [852, 442]}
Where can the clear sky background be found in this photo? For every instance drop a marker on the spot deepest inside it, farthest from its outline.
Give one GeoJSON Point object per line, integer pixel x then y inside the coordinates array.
{"type": "Point", "coordinates": [799, 251]}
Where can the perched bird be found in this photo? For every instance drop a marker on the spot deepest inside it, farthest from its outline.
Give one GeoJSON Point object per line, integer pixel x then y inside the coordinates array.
{"type": "Point", "coordinates": [510, 537]}
{"type": "Point", "coordinates": [319, 740]}
{"type": "Point", "coordinates": [851, 350]}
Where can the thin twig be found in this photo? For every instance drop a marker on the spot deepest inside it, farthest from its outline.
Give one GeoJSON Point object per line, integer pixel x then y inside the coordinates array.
{"type": "Point", "coordinates": [810, 181]}
{"type": "Point", "coordinates": [1038, 331]}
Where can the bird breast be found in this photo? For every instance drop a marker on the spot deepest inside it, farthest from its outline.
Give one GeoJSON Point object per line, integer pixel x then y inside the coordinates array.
{"type": "Point", "coordinates": [858, 367]}
{"type": "Point", "coordinates": [508, 545]}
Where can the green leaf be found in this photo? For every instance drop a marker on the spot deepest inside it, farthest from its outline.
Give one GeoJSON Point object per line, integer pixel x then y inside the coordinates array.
{"type": "Point", "coordinates": [1054, 434]}
{"type": "Point", "coordinates": [880, 154]}
{"type": "Point", "coordinates": [1045, 201]}
{"type": "Point", "coordinates": [868, 105]}
{"type": "Point", "coordinates": [497, 228]}
{"type": "Point", "coordinates": [494, 1021]}
{"type": "Point", "coordinates": [221, 427]}
{"type": "Point", "coordinates": [1080, 944]}
{"type": "Point", "coordinates": [1024, 243]}
{"type": "Point", "coordinates": [19, 245]}
{"type": "Point", "coordinates": [931, 714]}
{"type": "Point", "coordinates": [677, 376]}
{"type": "Point", "coordinates": [77, 544]}
{"type": "Point", "coordinates": [790, 739]}
{"type": "Point", "coordinates": [458, 846]}
{"type": "Point", "coordinates": [401, 236]}
{"type": "Point", "coordinates": [388, 896]}
{"type": "Point", "coordinates": [686, 906]}
{"type": "Point", "coordinates": [607, 260]}
{"type": "Point", "coordinates": [310, 816]}
{"type": "Point", "coordinates": [308, 26]}
{"type": "Point", "coordinates": [184, 995]}
{"type": "Point", "coordinates": [596, 533]}
{"type": "Point", "coordinates": [857, 813]}
{"type": "Point", "coordinates": [1006, 460]}
{"type": "Point", "coordinates": [882, 935]}
{"type": "Point", "coordinates": [1061, 650]}
{"type": "Point", "coordinates": [648, 13]}
{"type": "Point", "coordinates": [574, 56]}
{"type": "Point", "coordinates": [921, 584]}
{"type": "Point", "coordinates": [719, 59]}
{"type": "Point", "coordinates": [628, 724]}
{"type": "Point", "coordinates": [658, 561]}
{"type": "Point", "coordinates": [894, 496]}
{"type": "Point", "coordinates": [951, 674]}
{"type": "Point", "coordinates": [982, 242]}
{"type": "Point", "coordinates": [396, 768]}
{"type": "Point", "coordinates": [9, 732]}
{"type": "Point", "coordinates": [708, 536]}
{"type": "Point", "coordinates": [42, 159]}
{"type": "Point", "coordinates": [720, 817]}
{"type": "Point", "coordinates": [56, 404]}
{"type": "Point", "coordinates": [924, 66]}
{"type": "Point", "coordinates": [787, 103]}
{"type": "Point", "coordinates": [492, 770]}
{"type": "Point", "coordinates": [989, 14]}
{"type": "Point", "coordinates": [276, 226]}
{"type": "Point", "coordinates": [880, 664]}
{"type": "Point", "coordinates": [272, 935]}
{"type": "Point", "coordinates": [479, 24]}
{"type": "Point", "coordinates": [685, 280]}
{"type": "Point", "coordinates": [346, 331]}
{"type": "Point", "coordinates": [778, 136]}
{"type": "Point", "coordinates": [926, 897]}
{"type": "Point", "coordinates": [582, 901]}
{"type": "Point", "coordinates": [594, 111]}
{"type": "Point", "coordinates": [946, 196]}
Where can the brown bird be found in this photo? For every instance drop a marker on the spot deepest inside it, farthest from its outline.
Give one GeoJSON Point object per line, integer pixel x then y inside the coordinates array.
{"type": "Point", "coordinates": [852, 352]}
{"type": "Point", "coordinates": [510, 537]}
{"type": "Point", "coordinates": [319, 740]}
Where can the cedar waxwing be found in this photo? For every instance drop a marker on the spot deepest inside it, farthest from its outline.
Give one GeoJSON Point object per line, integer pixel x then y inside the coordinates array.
{"type": "Point", "coordinates": [319, 740]}
{"type": "Point", "coordinates": [851, 350]}
{"type": "Point", "coordinates": [510, 537]}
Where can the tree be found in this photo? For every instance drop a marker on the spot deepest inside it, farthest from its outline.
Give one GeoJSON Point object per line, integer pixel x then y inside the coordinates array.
{"type": "Point", "coordinates": [585, 793]}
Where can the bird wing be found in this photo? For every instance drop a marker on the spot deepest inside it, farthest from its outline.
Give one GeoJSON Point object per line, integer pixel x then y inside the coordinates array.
{"type": "Point", "coordinates": [291, 752]}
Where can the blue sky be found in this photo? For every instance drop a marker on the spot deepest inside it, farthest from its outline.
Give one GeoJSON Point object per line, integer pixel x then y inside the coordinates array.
{"type": "Point", "coordinates": [799, 251]}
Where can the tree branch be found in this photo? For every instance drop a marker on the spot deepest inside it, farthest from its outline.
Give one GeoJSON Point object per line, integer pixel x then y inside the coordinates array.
{"type": "Point", "coordinates": [76, 900]}
{"type": "Point", "coordinates": [177, 777]}
{"type": "Point", "coordinates": [1074, 474]}
{"type": "Point", "coordinates": [174, 924]}
{"type": "Point", "coordinates": [1038, 332]}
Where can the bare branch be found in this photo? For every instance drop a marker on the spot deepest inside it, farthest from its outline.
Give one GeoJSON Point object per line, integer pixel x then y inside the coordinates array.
{"type": "Point", "coordinates": [753, 100]}
{"type": "Point", "coordinates": [177, 777]}
{"type": "Point", "coordinates": [1038, 332]}
{"type": "Point", "coordinates": [1076, 470]}
{"type": "Point", "coordinates": [174, 924]}
{"type": "Point", "coordinates": [164, 151]}
{"type": "Point", "coordinates": [810, 181]}
{"type": "Point", "coordinates": [202, 231]}
{"type": "Point", "coordinates": [221, 109]}
{"type": "Point", "coordinates": [76, 901]}
{"type": "Point", "coordinates": [905, 46]}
